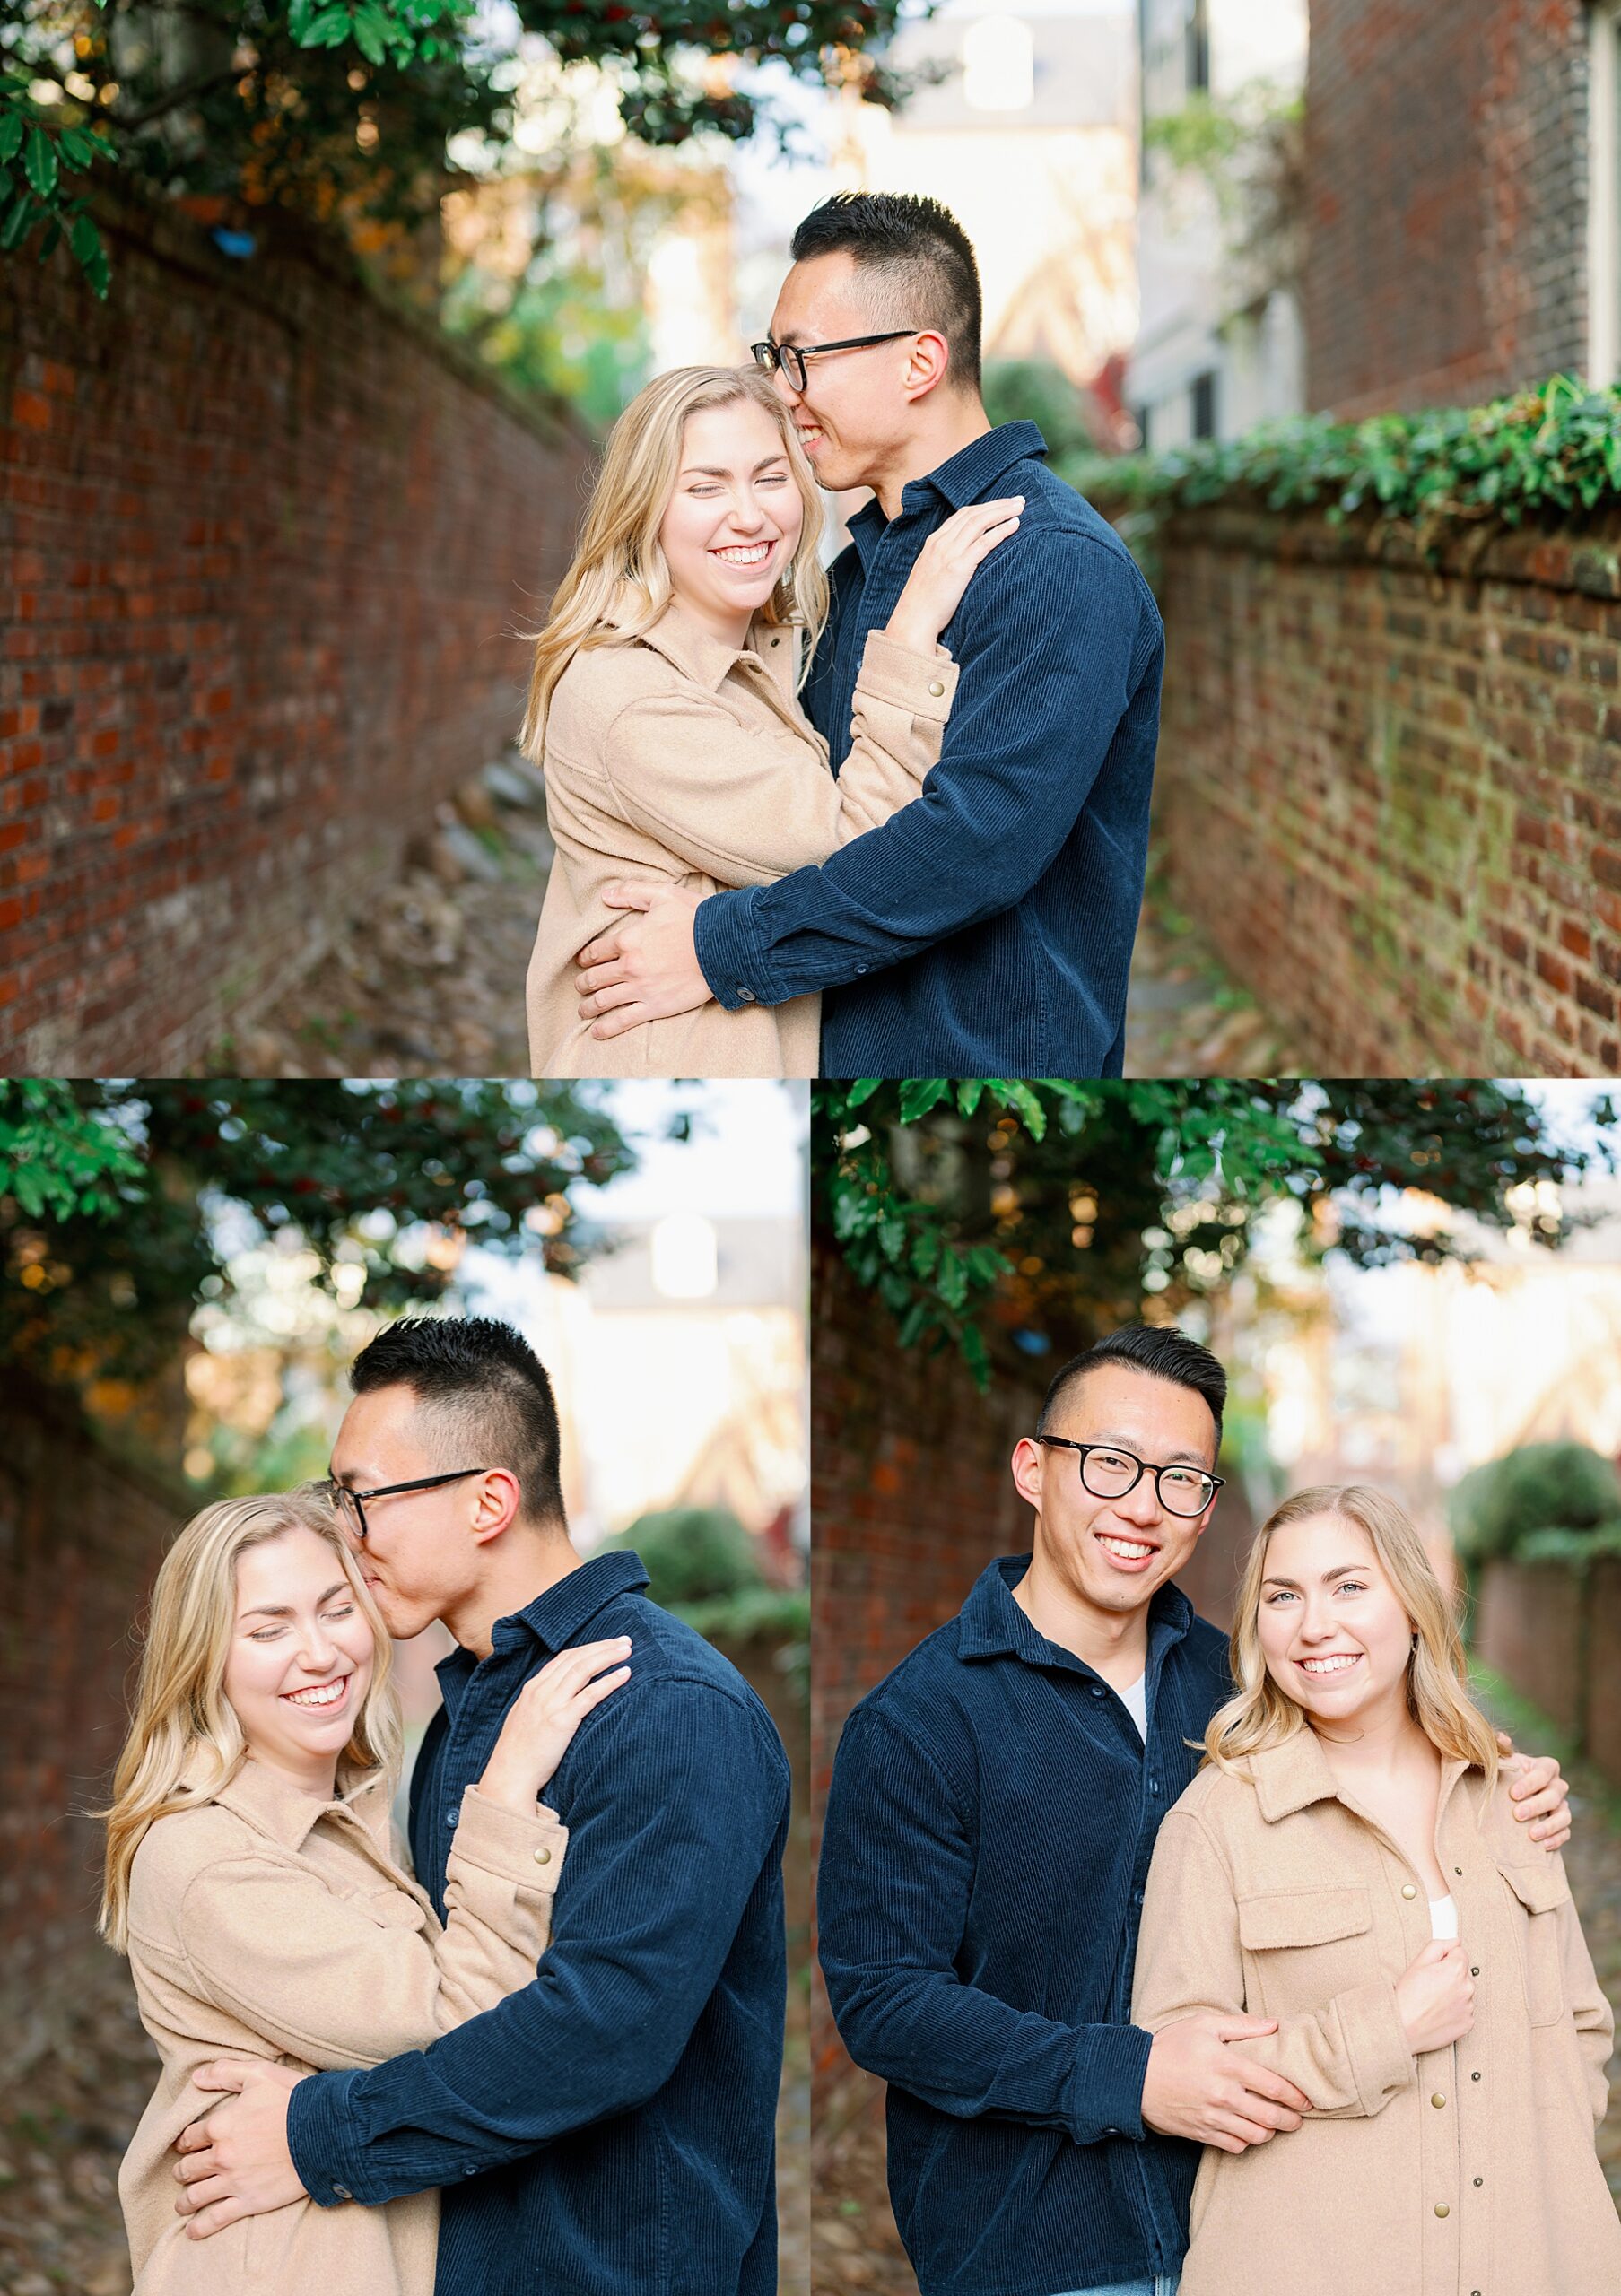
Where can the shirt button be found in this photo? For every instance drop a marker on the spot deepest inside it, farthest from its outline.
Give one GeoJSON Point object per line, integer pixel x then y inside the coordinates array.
{"type": "Point", "coordinates": [1475, 1968]}
{"type": "Point", "coordinates": [776, 641]}
{"type": "Point", "coordinates": [341, 2192]}
{"type": "Point", "coordinates": [1438, 2101]}
{"type": "Point", "coordinates": [745, 996]}
{"type": "Point", "coordinates": [453, 1817]}
{"type": "Point", "coordinates": [543, 1857]}
{"type": "Point", "coordinates": [1097, 1690]}
{"type": "Point", "coordinates": [934, 686]}
{"type": "Point", "coordinates": [1442, 2209]}
{"type": "Point", "coordinates": [1408, 1891]}
{"type": "Point", "coordinates": [863, 967]}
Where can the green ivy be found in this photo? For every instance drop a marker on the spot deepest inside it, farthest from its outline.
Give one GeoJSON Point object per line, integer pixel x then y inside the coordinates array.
{"type": "Point", "coordinates": [1555, 449]}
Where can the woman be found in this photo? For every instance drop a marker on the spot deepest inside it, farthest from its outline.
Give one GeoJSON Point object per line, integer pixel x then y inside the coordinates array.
{"type": "Point", "coordinates": [662, 704]}
{"type": "Point", "coordinates": [1346, 1864]}
{"type": "Point", "coordinates": [250, 1881]}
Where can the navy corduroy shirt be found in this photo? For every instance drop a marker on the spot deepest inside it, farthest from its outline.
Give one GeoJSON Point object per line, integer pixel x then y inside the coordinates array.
{"type": "Point", "coordinates": [989, 1826]}
{"type": "Point", "coordinates": [986, 929]}
{"type": "Point", "coordinates": [609, 2130]}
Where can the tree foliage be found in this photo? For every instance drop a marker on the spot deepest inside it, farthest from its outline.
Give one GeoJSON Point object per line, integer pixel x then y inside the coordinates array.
{"type": "Point", "coordinates": [114, 1196]}
{"type": "Point", "coordinates": [1027, 1215]}
{"type": "Point", "coordinates": [343, 108]}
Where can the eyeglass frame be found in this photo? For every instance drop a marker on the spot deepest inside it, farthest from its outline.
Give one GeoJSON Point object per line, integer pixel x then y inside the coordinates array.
{"type": "Point", "coordinates": [341, 1492]}
{"type": "Point", "coordinates": [1143, 1467]}
{"type": "Point", "coordinates": [779, 355]}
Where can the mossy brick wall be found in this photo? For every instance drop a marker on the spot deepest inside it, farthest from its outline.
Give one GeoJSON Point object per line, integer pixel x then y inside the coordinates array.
{"type": "Point", "coordinates": [1390, 791]}
{"type": "Point", "coordinates": [263, 545]}
{"type": "Point", "coordinates": [1447, 231]}
{"type": "Point", "coordinates": [1555, 1635]}
{"type": "Point", "coordinates": [81, 1535]}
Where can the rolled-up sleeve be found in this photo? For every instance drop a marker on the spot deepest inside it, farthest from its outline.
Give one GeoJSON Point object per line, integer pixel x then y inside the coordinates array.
{"type": "Point", "coordinates": [673, 1811]}
{"type": "Point", "coordinates": [1056, 635]}
{"type": "Point", "coordinates": [893, 1895]}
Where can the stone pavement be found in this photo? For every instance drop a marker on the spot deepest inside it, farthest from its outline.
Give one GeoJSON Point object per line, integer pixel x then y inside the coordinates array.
{"type": "Point", "coordinates": [426, 978]}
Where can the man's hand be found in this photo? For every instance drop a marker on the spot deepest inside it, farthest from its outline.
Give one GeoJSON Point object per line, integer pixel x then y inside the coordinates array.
{"type": "Point", "coordinates": [236, 2163]}
{"type": "Point", "coordinates": [644, 970]}
{"type": "Point", "coordinates": [1197, 2087]}
{"type": "Point", "coordinates": [1540, 1793]}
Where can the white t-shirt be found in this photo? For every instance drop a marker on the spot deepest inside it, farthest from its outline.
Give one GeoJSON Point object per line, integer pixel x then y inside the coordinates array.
{"type": "Point", "coordinates": [1443, 1916]}
{"type": "Point", "coordinates": [1135, 1699]}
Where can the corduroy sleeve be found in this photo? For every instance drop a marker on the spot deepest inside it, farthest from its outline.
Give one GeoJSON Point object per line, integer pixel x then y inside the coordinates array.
{"type": "Point", "coordinates": [672, 1814]}
{"type": "Point", "coordinates": [1350, 2057]}
{"type": "Point", "coordinates": [1054, 637]}
{"type": "Point", "coordinates": [892, 1903]}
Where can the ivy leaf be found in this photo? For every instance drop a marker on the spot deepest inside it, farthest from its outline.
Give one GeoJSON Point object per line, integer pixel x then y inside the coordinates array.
{"type": "Point", "coordinates": [39, 163]}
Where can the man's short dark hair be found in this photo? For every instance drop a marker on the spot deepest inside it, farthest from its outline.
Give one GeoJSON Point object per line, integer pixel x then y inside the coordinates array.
{"type": "Point", "coordinates": [1160, 1349]}
{"type": "Point", "coordinates": [488, 1396]}
{"type": "Point", "coordinates": [917, 263]}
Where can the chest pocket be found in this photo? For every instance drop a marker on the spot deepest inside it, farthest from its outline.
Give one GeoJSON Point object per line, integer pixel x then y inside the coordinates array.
{"type": "Point", "coordinates": [1306, 1946]}
{"type": "Point", "coordinates": [1537, 1890]}
{"type": "Point", "coordinates": [391, 1908]}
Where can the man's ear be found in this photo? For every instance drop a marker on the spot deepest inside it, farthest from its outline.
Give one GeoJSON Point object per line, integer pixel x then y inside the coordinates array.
{"type": "Point", "coordinates": [927, 364]}
{"type": "Point", "coordinates": [497, 1500]}
{"type": "Point", "coordinates": [1028, 1464]}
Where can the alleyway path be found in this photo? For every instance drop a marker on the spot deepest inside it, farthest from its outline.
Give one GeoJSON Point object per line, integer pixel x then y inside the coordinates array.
{"type": "Point", "coordinates": [428, 980]}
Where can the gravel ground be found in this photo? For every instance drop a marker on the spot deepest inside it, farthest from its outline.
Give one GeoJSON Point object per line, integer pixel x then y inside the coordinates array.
{"type": "Point", "coordinates": [428, 980]}
{"type": "Point", "coordinates": [854, 2241]}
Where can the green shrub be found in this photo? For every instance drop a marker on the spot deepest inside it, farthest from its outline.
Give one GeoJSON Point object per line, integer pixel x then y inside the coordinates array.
{"type": "Point", "coordinates": [1033, 391]}
{"type": "Point", "coordinates": [1541, 1487]}
{"type": "Point", "coordinates": [1571, 1550]}
{"type": "Point", "coordinates": [693, 1555]}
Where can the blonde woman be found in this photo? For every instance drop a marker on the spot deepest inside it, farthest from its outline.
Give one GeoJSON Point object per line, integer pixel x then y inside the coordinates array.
{"type": "Point", "coordinates": [1346, 1863]}
{"type": "Point", "coordinates": [250, 1880]}
{"type": "Point", "coordinates": [662, 704]}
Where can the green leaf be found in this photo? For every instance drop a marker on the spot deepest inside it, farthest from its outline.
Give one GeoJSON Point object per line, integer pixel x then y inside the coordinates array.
{"type": "Point", "coordinates": [370, 27]}
{"type": "Point", "coordinates": [859, 1093]}
{"type": "Point", "coordinates": [891, 1239]}
{"type": "Point", "coordinates": [11, 134]}
{"type": "Point", "coordinates": [921, 1093]}
{"type": "Point", "coordinates": [18, 221]}
{"type": "Point", "coordinates": [77, 148]}
{"type": "Point", "coordinates": [52, 239]}
{"type": "Point", "coordinates": [86, 243]}
{"type": "Point", "coordinates": [39, 163]}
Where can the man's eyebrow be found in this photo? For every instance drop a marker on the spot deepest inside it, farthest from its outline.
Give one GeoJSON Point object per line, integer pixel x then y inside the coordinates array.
{"type": "Point", "coordinates": [1111, 1442]}
{"type": "Point", "coordinates": [1339, 1572]}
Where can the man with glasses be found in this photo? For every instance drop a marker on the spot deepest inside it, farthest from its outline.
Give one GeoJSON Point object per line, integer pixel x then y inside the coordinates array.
{"type": "Point", "coordinates": [609, 2130]}
{"type": "Point", "coordinates": [986, 929]}
{"type": "Point", "coordinates": [993, 1810]}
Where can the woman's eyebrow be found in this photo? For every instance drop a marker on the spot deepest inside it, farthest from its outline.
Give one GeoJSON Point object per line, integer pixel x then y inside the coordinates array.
{"type": "Point", "coordinates": [1339, 1572]}
{"type": "Point", "coordinates": [707, 470]}
{"type": "Point", "coordinates": [285, 1609]}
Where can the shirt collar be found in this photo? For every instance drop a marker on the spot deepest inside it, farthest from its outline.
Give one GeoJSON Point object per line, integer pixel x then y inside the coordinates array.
{"type": "Point", "coordinates": [556, 1618]}
{"type": "Point", "coordinates": [1293, 1775]}
{"type": "Point", "coordinates": [966, 476]}
{"type": "Point", "coordinates": [994, 1627]}
{"type": "Point", "coordinates": [268, 1801]}
{"type": "Point", "coordinates": [689, 644]}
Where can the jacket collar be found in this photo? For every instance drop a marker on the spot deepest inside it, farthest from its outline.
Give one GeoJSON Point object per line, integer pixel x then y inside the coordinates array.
{"type": "Point", "coordinates": [693, 648]}
{"type": "Point", "coordinates": [967, 477]}
{"type": "Point", "coordinates": [993, 1626]}
{"type": "Point", "coordinates": [268, 1800]}
{"type": "Point", "coordinates": [1293, 1776]}
{"type": "Point", "coordinates": [558, 1617]}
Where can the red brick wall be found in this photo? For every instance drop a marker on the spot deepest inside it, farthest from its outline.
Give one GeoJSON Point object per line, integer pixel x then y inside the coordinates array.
{"type": "Point", "coordinates": [1447, 172]}
{"type": "Point", "coordinates": [81, 1535]}
{"type": "Point", "coordinates": [1603, 1733]}
{"type": "Point", "coordinates": [1389, 794]}
{"type": "Point", "coordinates": [1529, 1629]}
{"type": "Point", "coordinates": [263, 544]}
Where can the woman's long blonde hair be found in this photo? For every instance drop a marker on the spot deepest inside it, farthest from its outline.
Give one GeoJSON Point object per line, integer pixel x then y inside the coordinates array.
{"type": "Point", "coordinates": [1261, 1715]}
{"type": "Point", "coordinates": [619, 559]}
{"type": "Point", "coordinates": [182, 1711]}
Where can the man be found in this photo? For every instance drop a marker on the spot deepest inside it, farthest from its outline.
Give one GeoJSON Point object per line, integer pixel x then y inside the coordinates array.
{"type": "Point", "coordinates": [986, 929]}
{"type": "Point", "coordinates": [993, 1812]}
{"type": "Point", "coordinates": [609, 2131]}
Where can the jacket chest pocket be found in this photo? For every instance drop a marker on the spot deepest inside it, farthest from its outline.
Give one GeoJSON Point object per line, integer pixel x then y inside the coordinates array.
{"type": "Point", "coordinates": [1304, 1946]}
{"type": "Point", "coordinates": [1537, 1890]}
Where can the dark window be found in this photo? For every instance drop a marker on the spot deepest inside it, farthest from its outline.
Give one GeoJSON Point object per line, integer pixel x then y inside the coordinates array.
{"type": "Point", "coordinates": [1198, 47]}
{"type": "Point", "coordinates": [1141, 415]}
{"type": "Point", "coordinates": [1203, 394]}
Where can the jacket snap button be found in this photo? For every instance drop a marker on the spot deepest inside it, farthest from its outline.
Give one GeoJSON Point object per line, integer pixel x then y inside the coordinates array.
{"type": "Point", "coordinates": [543, 1857]}
{"type": "Point", "coordinates": [1437, 2100]}
{"type": "Point", "coordinates": [934, 686]}
{"type": "Point", "coordinates": [1474, 2076]}
{"type": "Point", "coordinates": [1480, 2180]}
{"type": "Point", "coordinates": [1408, 1891]}
{"type": "Point", "coordinates": [1442, 2209]}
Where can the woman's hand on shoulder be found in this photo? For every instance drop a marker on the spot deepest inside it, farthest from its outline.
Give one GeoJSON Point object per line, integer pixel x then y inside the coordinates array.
{"type": "Point", "coordinates": [941, 570]}
{"type": "Point", "coordinates": [543, 1717]}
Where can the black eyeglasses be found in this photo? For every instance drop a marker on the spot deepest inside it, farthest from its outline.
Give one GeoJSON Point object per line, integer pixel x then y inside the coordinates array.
{"type": "Point", "coordinates": [1109, 1474]}
{"type": "Point", "coordinates": [790, 357]}
{"type": "Point", "coordinates": [348, 1502]}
